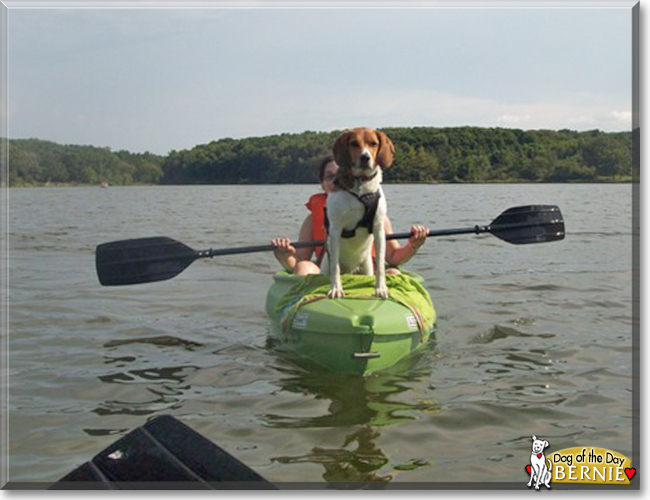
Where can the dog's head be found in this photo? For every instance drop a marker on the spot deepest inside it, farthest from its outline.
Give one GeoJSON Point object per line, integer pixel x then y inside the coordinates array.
{"type": "Point", "coordinates": [360, 152]}
{"type": "Point", "coordinates": [539, 445]}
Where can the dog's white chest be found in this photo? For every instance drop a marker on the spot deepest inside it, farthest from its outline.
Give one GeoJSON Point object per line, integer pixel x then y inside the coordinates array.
{"type": "Point", "coordinates": [344, 213]}
{"type": "Point", "coordinates": [344, 209]}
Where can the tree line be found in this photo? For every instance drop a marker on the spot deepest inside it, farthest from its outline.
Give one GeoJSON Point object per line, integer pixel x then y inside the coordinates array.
{"type": "Point", "coordinates": [423, 154]}
{"type": "Point", "coordinates": [37, 162]}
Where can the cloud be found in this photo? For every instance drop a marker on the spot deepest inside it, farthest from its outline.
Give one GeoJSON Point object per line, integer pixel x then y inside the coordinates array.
{"type": "Point", "coordinates": [511, 120]}
{"type": "Point", "coordinates": [622, 116]}
{"type": "Point", "coordinates": [432, 108]}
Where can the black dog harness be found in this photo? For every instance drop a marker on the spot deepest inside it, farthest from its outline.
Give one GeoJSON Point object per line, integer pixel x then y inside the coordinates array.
{"type": "Point", "coordinates": [370, 202]}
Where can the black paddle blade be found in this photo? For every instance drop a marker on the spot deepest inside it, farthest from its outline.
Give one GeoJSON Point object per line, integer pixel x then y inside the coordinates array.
{"type": "Point", "coordinates": [143, 260]}
{"type": "Point", "coordinates": [529, 224]}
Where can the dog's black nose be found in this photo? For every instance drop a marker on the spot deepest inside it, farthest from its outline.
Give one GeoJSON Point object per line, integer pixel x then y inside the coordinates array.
{"type": "Point", "coordinates": [365, 157]}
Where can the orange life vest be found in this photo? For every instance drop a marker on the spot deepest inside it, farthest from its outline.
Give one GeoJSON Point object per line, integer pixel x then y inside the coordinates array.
{"type": "Point", "coordinates": [316, 206]}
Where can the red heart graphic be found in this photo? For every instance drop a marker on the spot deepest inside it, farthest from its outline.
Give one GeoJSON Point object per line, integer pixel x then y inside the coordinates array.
{"type": "Point", "coordinates": [630, 473]}
{"type": "Point", "coordinates": [528, 469]}
{"type": "Point", "coordinates": [539, 456]}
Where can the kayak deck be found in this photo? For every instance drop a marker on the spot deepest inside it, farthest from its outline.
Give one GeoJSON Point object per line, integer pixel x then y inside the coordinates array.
{"type": "Point", "coordinates": [358, 334]}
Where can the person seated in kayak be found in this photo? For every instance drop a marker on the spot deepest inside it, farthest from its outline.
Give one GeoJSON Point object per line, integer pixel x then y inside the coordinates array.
{"type": "Point", "coordinates": [299, 261]}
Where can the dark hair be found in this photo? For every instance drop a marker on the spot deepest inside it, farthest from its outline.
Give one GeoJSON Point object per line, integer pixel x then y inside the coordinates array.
{"type": "Point", "coordinates": [320, 168]}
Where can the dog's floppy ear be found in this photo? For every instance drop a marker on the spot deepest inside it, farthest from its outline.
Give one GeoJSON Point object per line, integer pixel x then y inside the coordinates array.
{"type": "Point", "coordinates": [341, 151]}
{"type": "Point", "coordinates": [545, 444]}
{"type": "Point", "coordinates": [386, 150]}
{"type": "Point", "coordinates": [534, 438]}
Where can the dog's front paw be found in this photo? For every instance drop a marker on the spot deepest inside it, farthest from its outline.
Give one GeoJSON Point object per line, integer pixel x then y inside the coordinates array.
{"type": "Point", "coordinates": [336, 293]}
{"type": "Point", "coordinates": [381, 292]}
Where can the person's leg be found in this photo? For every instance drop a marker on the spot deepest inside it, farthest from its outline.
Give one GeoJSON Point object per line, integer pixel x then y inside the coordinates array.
{"type": "Point", "coordinates": [305, 267]}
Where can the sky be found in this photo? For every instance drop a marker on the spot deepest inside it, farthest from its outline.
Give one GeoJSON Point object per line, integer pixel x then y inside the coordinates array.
{"type": "Point", "coordinates": [161, 79]}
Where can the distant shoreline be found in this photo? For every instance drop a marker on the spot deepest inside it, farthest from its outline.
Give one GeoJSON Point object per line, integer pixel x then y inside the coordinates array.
{"type": "Point", "coordinates": [627, 180]}
{"type": "Point", "coordinates": [423, 155]}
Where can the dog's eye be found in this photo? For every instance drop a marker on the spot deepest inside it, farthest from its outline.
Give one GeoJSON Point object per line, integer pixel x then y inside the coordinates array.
{"type": "Point", "coordinates": [354, 144]}
{"type": "Point", "coordinates": [374, 144]}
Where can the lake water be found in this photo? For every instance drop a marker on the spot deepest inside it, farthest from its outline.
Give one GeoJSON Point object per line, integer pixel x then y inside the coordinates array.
{"type": "Point", "coordinates": [530, 339]}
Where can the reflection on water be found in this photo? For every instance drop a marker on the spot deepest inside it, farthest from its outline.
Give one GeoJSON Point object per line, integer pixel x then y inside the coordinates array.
{"type": "Point", "coordinates": [500, 332]}
{"type": "Point", "coordinates": [358, 460]}
{"type": "Point", "coordinates": [366, 405]}
{"type": "Point", "coordinates": [162, 341]}
{"type": "Point", "coordinates": [356, 400]}
{"type": "Point", "coordinates": [359, 464]}
{"type": "Point", "coordinates": [156, 388]}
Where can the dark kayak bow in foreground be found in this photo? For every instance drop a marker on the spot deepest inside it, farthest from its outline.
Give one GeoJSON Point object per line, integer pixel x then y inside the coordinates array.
{"type": "Point", "coordinates": [146, 260]}
{"type": "Point", "coordinates": [163, 454]}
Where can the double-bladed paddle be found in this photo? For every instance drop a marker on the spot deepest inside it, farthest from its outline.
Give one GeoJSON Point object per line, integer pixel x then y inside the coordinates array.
{"type": "Point", "coordinates": [145, 260]}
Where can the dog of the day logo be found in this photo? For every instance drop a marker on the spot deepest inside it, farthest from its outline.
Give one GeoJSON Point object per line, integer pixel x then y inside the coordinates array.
{"type": "Point", "coordinates": [540, 468]}
{"type": "Point", "coordinates": [579, 465]}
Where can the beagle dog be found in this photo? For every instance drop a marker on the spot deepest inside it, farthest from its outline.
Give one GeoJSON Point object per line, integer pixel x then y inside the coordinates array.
{"type": "Point", "coordinates": [356, 211]}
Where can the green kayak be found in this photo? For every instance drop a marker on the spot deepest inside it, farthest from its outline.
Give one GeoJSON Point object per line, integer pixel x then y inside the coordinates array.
{"type": "Point", "coordinates": [359, 334]}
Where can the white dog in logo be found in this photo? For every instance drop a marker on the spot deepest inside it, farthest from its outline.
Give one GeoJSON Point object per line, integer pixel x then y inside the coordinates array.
{"type": "Point", "coordinates": [539, 471]}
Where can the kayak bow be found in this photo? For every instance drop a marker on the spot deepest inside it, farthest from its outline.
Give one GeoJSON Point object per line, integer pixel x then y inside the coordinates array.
{"type": "Point", "coordinates": [358, 334]}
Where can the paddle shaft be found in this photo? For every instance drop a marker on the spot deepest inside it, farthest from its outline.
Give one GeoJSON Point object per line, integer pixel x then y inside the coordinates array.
{"type": "Point", "coordinates": [212, 252]}
{"type": "Point", "coordinates": [395, 236]}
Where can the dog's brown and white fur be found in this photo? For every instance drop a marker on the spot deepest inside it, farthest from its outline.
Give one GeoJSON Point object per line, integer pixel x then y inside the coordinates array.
{"type": "Point", "coordinates": [361, 154]}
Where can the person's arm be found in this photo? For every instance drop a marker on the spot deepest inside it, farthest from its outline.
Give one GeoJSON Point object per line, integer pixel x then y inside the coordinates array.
{"type": "Point", "coordinates": [305, 253]}
{"type": "Point", "coordinates": [397, 254]}
{"type": "Point", "coordinates": [286, 253]}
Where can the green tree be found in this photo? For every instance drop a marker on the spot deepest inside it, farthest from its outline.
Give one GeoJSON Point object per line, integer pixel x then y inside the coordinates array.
{"type": "Point", "coordinates": [607, 156]}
